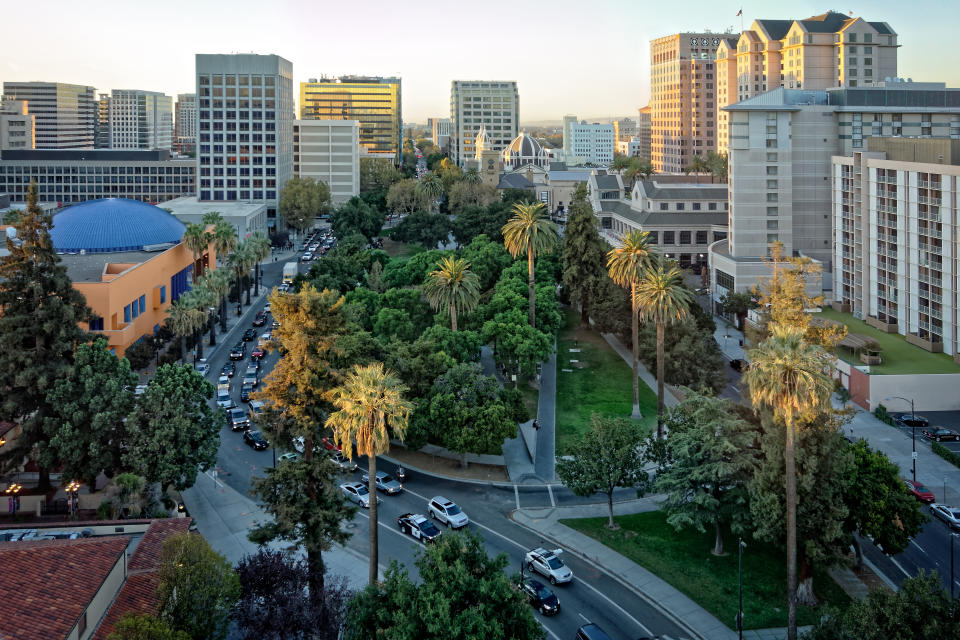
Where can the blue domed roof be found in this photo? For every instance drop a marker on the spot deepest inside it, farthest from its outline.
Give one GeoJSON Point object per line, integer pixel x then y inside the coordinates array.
{"type": "Point", "coordinates": [113, 224]}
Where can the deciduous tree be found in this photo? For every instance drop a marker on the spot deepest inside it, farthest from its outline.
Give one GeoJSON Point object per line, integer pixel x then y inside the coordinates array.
{"type": "Point", "coordinates": [404, 197]}
{"type": "Point", "coordinates": [357, 216]}
{"type": "Point", "coordinates": [143, 626]}
{"type": "Point", "coordinates": [464, 194]}
{"type": "Point", "coordinates": [421, 227]}
{"type": "Point", "coordinates": [302, 200]}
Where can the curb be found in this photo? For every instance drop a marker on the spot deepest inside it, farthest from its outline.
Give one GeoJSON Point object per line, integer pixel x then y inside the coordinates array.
{"type": "Point", "coordinates": [486, 483]}
{"type": "Point", "coordinates": [614, 576]}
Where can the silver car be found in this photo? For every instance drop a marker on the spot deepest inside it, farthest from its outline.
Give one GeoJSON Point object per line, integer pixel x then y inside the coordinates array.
{"type": "Point", "coordinates": [950, 515]}
{"type": "Point", "coordinates": [357, 493]}
{"type": "Point", "coordinates": [548, 564]}
{"type": "Point", "coordinates": [384, 482]}
{"type": "Point", "coordinates": [447, 512]}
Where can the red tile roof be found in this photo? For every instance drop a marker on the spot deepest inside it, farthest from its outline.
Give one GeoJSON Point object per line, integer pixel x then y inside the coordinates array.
{"type": "Point", "coordinates": [147, 553]}
{"type": "Point", "coordinates": [139, 594]}
{"type": "Point", "coordinates": [48, 584]}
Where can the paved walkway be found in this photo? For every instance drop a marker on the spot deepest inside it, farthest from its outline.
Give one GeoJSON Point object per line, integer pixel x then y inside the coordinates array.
{"type": "Point", "coordinates": [696, 620]}
{"type": "Point", "coordinates": [729, 339]}
{"type": "Point", "coordinates": [545, 459]}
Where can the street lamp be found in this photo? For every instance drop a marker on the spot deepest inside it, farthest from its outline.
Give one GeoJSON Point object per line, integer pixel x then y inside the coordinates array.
{"type": "Point", "coordinates": [913, 430]}
{"type": "Point", "coordinates": [73, 498]}
{"type": "Point", "coordinates": [213, 323]}
{"type": "Point", "coordinates": [157, 344]}
{"type": "Point", "coordinates": [13, 490]}
{"type": "Point", "coordinates": [740, 547]}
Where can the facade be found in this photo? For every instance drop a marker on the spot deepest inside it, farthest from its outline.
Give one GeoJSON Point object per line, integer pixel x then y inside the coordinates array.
{"type": "Point", "coordinates": [374, 102]}
{"type": "Point", "coordinates": [440, 132]}
{"type": "Point", "coordinates": [683, 219]}
{"type": "Point", "coordinates": [329, 151]}
{"type": "Point", "coordinates": [683, 99]}
{"type": "Point", "coordinates": [591, 143]}
{"type": "Point", "coordinates": [782, 145]}
{"type": "Point", "coordinates": [71, 176]}
{"type": "Point", "coordinates": [140, 120]}
{"type": "Point", "coordinates": [246, 217]}
{"type": "Point", "coordinates": [631, 148]}
{"type": "Point", "coordinates": [493, 104]}
{"type": "Point", "coordinates": [894, 223]}
{"type": "Point", "coordinates": [828, 50]}
{"type": "Point", "coordinates": [185, 124]}
{"type": "Point", "coordinates": [245, 128]}
{"type": "Point", "coordinates": [624, 129]}
{"type": "Point", "coordinates": [643, 131]}
{"type": "Point", "coordinates": [65, 114]}
{"type": "Point", "coordinates": [101, 127]}
{"type": "Point", "coordinates": [17, 126]}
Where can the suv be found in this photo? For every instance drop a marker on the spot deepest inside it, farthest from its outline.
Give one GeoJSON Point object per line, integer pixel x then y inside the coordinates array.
{"type": "Point", "coordinates": [239, 420]}
{"type": "Point", "coordinates": [447, 512]}
{"type": "Point", "coordinates": [250, 377]}
{"type": "Point", "coordinates": [591, 632]}
{"type": "Point", "coordinates": [238, 351]}
{"type": "Point", "coordinates": [548, 564]}
{"type": "Point", "coordinates": [224, 400]}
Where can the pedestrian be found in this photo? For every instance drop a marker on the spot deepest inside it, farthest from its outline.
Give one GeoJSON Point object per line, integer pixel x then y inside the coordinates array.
{"type": "Point", "coordinates": [536, 425]}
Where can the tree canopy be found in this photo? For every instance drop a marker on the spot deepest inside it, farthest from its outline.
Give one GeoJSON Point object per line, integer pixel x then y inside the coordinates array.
{"type": "Point", "coordinates": [302, 200]}
{"type": "Point", "coordinates": [583, 255]}
{"type": "Point", "coordinates": [356, 216]}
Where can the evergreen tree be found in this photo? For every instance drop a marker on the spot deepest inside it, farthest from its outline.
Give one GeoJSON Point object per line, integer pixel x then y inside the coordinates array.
{"type": "Point", "coordinates": [39, 315]}
{"type": "Point", "coordinates": [584, 255]}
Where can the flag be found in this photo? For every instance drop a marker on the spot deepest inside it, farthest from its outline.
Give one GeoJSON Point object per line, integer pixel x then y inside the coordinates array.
{"type": "Point", "coordinates": [740, 13]}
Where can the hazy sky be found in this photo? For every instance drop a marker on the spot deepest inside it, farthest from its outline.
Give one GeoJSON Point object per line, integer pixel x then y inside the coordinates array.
{"type": "Point", "coordinates": [589, 58]}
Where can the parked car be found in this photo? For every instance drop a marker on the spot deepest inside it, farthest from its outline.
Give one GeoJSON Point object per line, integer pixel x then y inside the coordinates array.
{"type": "Point", "coordinates": [289, 455]}
{"type": "Point", "coordinates": [357, 493]}
{"type": "Point", "coordinates": [255, 439]}
{"type": "Point", "coordinates": [919, 491]}
{"type": "Point", "coordinates": [447, 512]}
{"type": "Point", "coordinates": [245, 392]}
{"type": "Point", "coordinates": [910, 421]}
{"type": "Point", "coordinates": [345, 464]}
{"type": "Point", "coordinates": [384, 482]}
{"type": "Point", "coordinates": [548, 564]}
{"type": "Point", "coordinates": [940, 433]}
{"type": "Point", "coordinates": [418, 527]}
{"type": "Point", "coordinates": [256, 407]}
{"type": "Point", "coordinates": [260, 319]}
{"type": "Point", "coordinates": [238, 351]}
{"type": "Point", "coordinates": [266, 308]}
{"type": "Point", "coordinates": [228, 369]}
{"type": "Point", "coordinates": [224, 400]}
{"type": "Point", "coordinates": [591, 632]}
{"type": "Point", "coordinates": [950, 515]}
{"type": "Point", "coordinates": [249, 334]}
{"type": "Point", "coordinates": [265, 339]}
{"type": "Point", "coordinates": [540, 597]}
{"type": "Point", "coordinates": [275, 325]}
{"type": "Point", "coordinates": [239, 419]}
{"type": "Point", "coordinates": [140, 389]}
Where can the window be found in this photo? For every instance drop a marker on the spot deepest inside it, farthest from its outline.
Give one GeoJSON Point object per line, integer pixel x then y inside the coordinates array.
{"type": "Point", "coordinates": [771, 156]}
{"type": "Point", "coordinates": [771, 144]}
{"type": "Point", "coordinates": [868, 37]}
{"type": "Point", "coordinates": [668, 237]}
{"type": "Point", "coordinates": [772, 197]}
{"type": "Point", "coordinates": [773, 237]}
{"type": "Point", "coordinates": [664, 206]}
{"type": "Point", "coordinates": [143, 303]}
{"type": "Point", "coordinates": [701, 237]}
{"type": "Point", "coordinates": [711, 206]}
{"type": "Point", "coordinates": [653, 236]}
{"type": "Point", "coordinates": [96, 324]}
{"type": "Point", "coordinates": [852, 38]}
{"type": "Point", "coordinates": [772, 211]}
{"type": "Point", "coordinates": [684, 237]}
{"type": "Point", "coordinates": [724, 280]}
{"type": "Point", "coordinates": [696, 206]}
{"type": "Point", "coordinates": [773, 224]}
{"type": "Point", "coordinates": [680, 206]}
{"type": "Point", "coordinates": [163, 294]}
{"type": "Point", "coordinates": [126, 313]}
{"type": "Point", "coordinates": [772, 184]}
{"type": "Point", "coordinates": [771, 171]}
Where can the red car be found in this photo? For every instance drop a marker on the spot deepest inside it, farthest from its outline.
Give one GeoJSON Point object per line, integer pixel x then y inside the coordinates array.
{"type": "Point", "coordinates": [919, 491]}
{"type": "Point", "coordinates": [257, 353]}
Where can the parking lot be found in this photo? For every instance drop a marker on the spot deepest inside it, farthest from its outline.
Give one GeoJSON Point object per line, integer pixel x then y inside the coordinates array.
{"type": "Point", "coordinates": [947, 419]}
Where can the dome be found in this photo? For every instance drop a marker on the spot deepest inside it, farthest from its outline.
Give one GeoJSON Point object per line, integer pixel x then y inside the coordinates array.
{"type": "Point", "coordinates": [113, 224]}
{"type": "Point", "coordinates": [523, 150]}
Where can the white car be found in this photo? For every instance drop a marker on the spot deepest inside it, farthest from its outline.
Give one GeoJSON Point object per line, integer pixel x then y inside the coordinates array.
{"type": "Point", "coordinates": [549, 565]}
{"type": "Point", "coordinates": [224, 400]}
{"type": "Point", "coordinates": [950, 515]}
{"type": "Point", "coordinates": [202, 366]}
{"type": "Point", "coordinates": [447, 512]}
{"type": "Point", "coordinates": [358, 493]}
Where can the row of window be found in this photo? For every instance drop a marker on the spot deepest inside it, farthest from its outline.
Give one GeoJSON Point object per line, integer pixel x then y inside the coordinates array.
{"type": "Point", "coordinates": [135, 308]}
{"type": "Point", "coordinates": [97, 170]}
{"type": "Point", "coordinates": [684, 236]}
{"type": "Point", "coordinates": [230, 125]}
{"type": "Point", "coordinates": [694, 206]}
{"type": "Point", "coordinates": [243, 171]}
{"type": "Point", "coordinates": [242, 137]}
{"type": "Point", "coordinates": [225, 196]}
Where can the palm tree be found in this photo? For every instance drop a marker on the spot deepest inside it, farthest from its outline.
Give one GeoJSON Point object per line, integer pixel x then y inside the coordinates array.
{"type": "Point", "coordinates": [240, 262]}
{"type": "Point", "coordinates": [453, 287]}
{"type": "Point", "coordinates": [198, 299]}
{"type": "Point", "coordinates": [431, 187]}
{"type": "Point", "coordinates": [698, 165]}
{"type": "Point", "coordinates": [530, 231]}
{"type": "Point", "coordinates": [196, 240]}
{"type": "Point", "coordinates": [211, 218]}
{"type": "Point", "coordinates": [662, 298]}
{"type": "Point", "coordinates": [639, 168]}
{"type": "Point", "coordinates": [224, 241]}
{"type": "Point", "coordinates": [472, 176]}
{"type": "Point", "coordinates": [217, 284]}
{"type": "Point", "coordinates": [369, 401]}
{"type": "Point", "coordinates": [260, 249]}
{"type": "Point", "coordinates": [620, 162]}
{"type": "Point", "coordinates": [626, 264]}
{"type": "Point", "coordinates": [788, 375]}
{"type": "Point", "coordinates": [183, 319]}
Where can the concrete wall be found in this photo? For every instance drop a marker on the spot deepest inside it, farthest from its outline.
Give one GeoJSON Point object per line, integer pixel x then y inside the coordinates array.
{"type": "Point", "coordinates": [931, 392]}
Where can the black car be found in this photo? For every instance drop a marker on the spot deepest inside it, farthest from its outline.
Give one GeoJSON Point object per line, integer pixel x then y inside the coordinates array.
{"type": "Point", "coordinates": [418, 527]}
{"type": "Point", "coordinates": [238, 351]}
{"type": "Point", "coordinates": [540, 597]}
{"type": "Point", "coordinates": [910, 421]}
{"type": "Point", "coordinates": [245, 392]}
{"type": "Point", "coordinates": [249, 334]}
{"type": "Point", "coordinates": [939, 433]}
{"type": "Point", "coordinates": [228, 370]}
{"type": "Point", "coordinates": [260, 319]}
{"type": "Point", "coordinates": [255, 439]}
{"type": "Point", "coordinates": [738, 365]}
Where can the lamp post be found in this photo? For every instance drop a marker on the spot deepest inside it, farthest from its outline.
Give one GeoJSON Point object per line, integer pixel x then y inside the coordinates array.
{"type": "Point", "coordinates": [213, 323]}
{"type": "Point", "coordinates": [73, 498]}
{"type": "Point", "coordinates": [913, 431]}
{"type": "Point", "coordinates": [740, 547]}
{"type": "Point", "coordinates": [13, 491]}
{"type": "Point", "coordinates": [157, 344]}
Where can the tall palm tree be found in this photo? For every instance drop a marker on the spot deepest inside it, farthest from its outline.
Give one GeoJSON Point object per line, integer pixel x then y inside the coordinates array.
{"type": "Point", "coordinates": [217, 284]}
{"type": "Point", "coordinates": [530, 231]}
{"type": "Point", "coordinates": [639, 168]}
{"type": "Point", "coordinates": [698, 165]}
{"type": "Point", "coordinates": [789, 376]}
{"type": "Point", "coordinates": [183, 319]}
{"type": "Point", "coordinates": [620, 162]}
{"type": "Point", "coordinates": [196, 240]}
{"type": "Point", "coordinates": [198, 299]}
{"type": "Point", "coordinates": [369, 406]}
{"type": "Point", "coordinates": [240, 261]}
{"type": "Point", "coordinates": [662, 298]}
{"type": "Point", "coordinates": [212, 218]}
{"type": "Point", "coordinates": [626, 264]}
{"type": "Point", "coordinates": [453, 287]}
{"type": "Point", "coordinates": [472, 176]}
{"type": "Point", "coordinates": [431, 187]}
{"type": "Point", "coordinates": [260, 250]}
{"type": "Point", "coordinates": [224, 241]}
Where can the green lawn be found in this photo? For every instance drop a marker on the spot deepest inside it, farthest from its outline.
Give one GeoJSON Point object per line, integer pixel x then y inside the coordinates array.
{"type": "Point", "coordinates": [899, 356]}
{"type": "Point", "coordinates": [684, 560]}
{"type": "Point", "coordinates": [600, 382]}
{"type": "Point", "coordinates": [396, 249]}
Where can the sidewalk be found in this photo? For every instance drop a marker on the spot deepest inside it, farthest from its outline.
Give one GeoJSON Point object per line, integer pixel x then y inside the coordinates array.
{"type": "Point", "coordinates": [729, 339]}
{"type": "Point", "coordinates": [673, 604]}
{"type": "Point", "coordinates": [224, 516]}
{"type": "Point", "coordinates": [669, 400]}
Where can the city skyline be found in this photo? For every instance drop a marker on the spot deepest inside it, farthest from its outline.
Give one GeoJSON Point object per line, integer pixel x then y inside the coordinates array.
{"type": "Point", "coordinates": [544, 47]}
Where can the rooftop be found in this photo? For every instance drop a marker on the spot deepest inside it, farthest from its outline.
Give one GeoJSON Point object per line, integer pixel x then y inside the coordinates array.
{"type": "Point", "coordinates": [684, 191]}
{"type": "Point", "coordinates": [89, 267]}
{"type": "Point", "coordinates": [87, 155]}
{"type": "Point", "coordinates": [110, 225]}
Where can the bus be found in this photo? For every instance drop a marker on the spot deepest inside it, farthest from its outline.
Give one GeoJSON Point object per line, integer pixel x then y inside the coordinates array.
{"type": "Point", "coordinates": [289, 272]}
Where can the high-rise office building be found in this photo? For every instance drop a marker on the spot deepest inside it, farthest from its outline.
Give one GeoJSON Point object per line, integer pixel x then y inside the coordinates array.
{"type": "Point", "coordinates": [440, 132]}
{"type": "Point", "coordinates": [245, 128]}
{"type": "Point", "coordinates": [185, 124]}
{"type": "Point", "coordinates": [374, 102]}
{"type": "Point", "coordinates": [643, 131]}
{"type": "Point", "coordinates": [624, 129]}
{"type": "Point", "coordinates": [329, 151]}
{"type": "Point", "coordinates": [683, 99]}
{"type": "Point", "coordinates": [593, 143]}
{"type": "Point", "coordinates": [17, 127]}
{"type": "Point", "coordinates": [493, 104]}
{"type": "Point", "coordinates": [828, 50]}
{"type": "Point", "coordinates": [101, 126]}
{"type": "Point", "coordinates": [140, 120]}
{"type": "Point", "coordinates": [64, 113]}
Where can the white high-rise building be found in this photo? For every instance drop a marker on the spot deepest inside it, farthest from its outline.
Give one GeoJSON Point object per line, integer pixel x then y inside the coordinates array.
{"type": "Point", "coordinates": [568, 122]}
{"type": "Point", "coordinates": [439, 132]}
{"type": "Point", "coordinates": [329, 151]}
{"type": "Point", "coordinates": [245, 128]}
{"type": "Point", "coordinates": [493, 104]}
{"type": "Point", "coordinates": [64, 113]}
{"type": "Point", "coordinates": [16, 125]}
{"type": "Point", "coordinates": [593, 143]}
{"type": "Point", "coordinates": [185, 123]}
{"type": "Point", "coordinates": [140, 120]}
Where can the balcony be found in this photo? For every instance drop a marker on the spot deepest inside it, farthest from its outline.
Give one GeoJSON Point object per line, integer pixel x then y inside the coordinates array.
{"type": "Point", "coordinates": [931, 233]}
{"type": "Point", "coordinates": [932, 248]}
{"type": "Point", "coordinates": [928, 200]}
{"type": "Point", "coordinates": [929, 184]}
{"type": "Point", "coordinates": [886, 208]}
{"type": "Point", "coordinates": [932, 214]}
{"type": "Point", "coordinates": [887, 179]}
{"type": "Point", "coordinates": [934, 280]}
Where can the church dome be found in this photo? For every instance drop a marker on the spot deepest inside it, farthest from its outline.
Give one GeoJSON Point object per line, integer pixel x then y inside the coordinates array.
{"type": "Point", "coordinates": [113, 224]}
{"type": "Point", "coordinates": [523, 150]}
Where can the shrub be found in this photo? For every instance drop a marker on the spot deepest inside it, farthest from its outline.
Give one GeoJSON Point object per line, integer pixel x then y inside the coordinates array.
{"type": "Point", "coordinates": [883, 415]}
{"type": "Point", "coordinates": [141, 353]}
{"type": "Point", "coordinates": [946, 454]}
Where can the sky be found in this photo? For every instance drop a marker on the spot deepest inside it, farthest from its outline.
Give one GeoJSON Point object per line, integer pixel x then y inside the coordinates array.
{"type": "Point", "coordinates": [590, 59]}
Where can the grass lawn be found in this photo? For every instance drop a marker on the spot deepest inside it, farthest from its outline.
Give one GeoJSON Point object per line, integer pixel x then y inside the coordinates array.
{"type": "Point", "coordinates": [396, 249]}
{"type": "Point", "coordinates": [899, 356]}
{"type": "Point", "coordinates": [684, 560]}
{"type": "Point", "coordinates": [600, 382]}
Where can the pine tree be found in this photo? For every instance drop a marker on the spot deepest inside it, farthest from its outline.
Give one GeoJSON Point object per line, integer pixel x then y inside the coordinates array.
{"type": "Point", "coordinates": [39, 315]}
{"type": "Point", "coordinates": [584, 255]}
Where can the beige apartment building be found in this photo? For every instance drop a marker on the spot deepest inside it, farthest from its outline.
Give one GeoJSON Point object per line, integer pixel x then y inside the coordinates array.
{"type": "Point", "coordinates": [683, 99]}
{"type": "Point", "coordinates": [643, 131]}
{"type": "Point", "coordinates": [17, 127]}
{"type": "Point", "coordinates": [828, 50]}
{"type": "Point", "coordinates": [329, 151]}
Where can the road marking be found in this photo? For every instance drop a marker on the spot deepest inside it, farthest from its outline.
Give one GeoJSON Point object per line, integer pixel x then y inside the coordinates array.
{"type": "Point", "coordinates": [555, 636]}
{"type": "Point", "coordinates": [918, 547]}
{"type": "Point", "coordinates": [894, 561]}
{"type": "Point", "coordinates": [212, 474]}
{"type": "Point", "coordinates": [516, 493]}
{"type": "Point", "coordinates": [553, 502]}
{"type": "Point", "coordinates": [615, 605]}
{"type": "Point", "coordinates": [735, 389]}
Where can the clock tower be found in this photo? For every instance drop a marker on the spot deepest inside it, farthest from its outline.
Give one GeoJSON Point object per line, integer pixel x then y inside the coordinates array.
{"type": "Point", "coordinates": [490, 167]}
